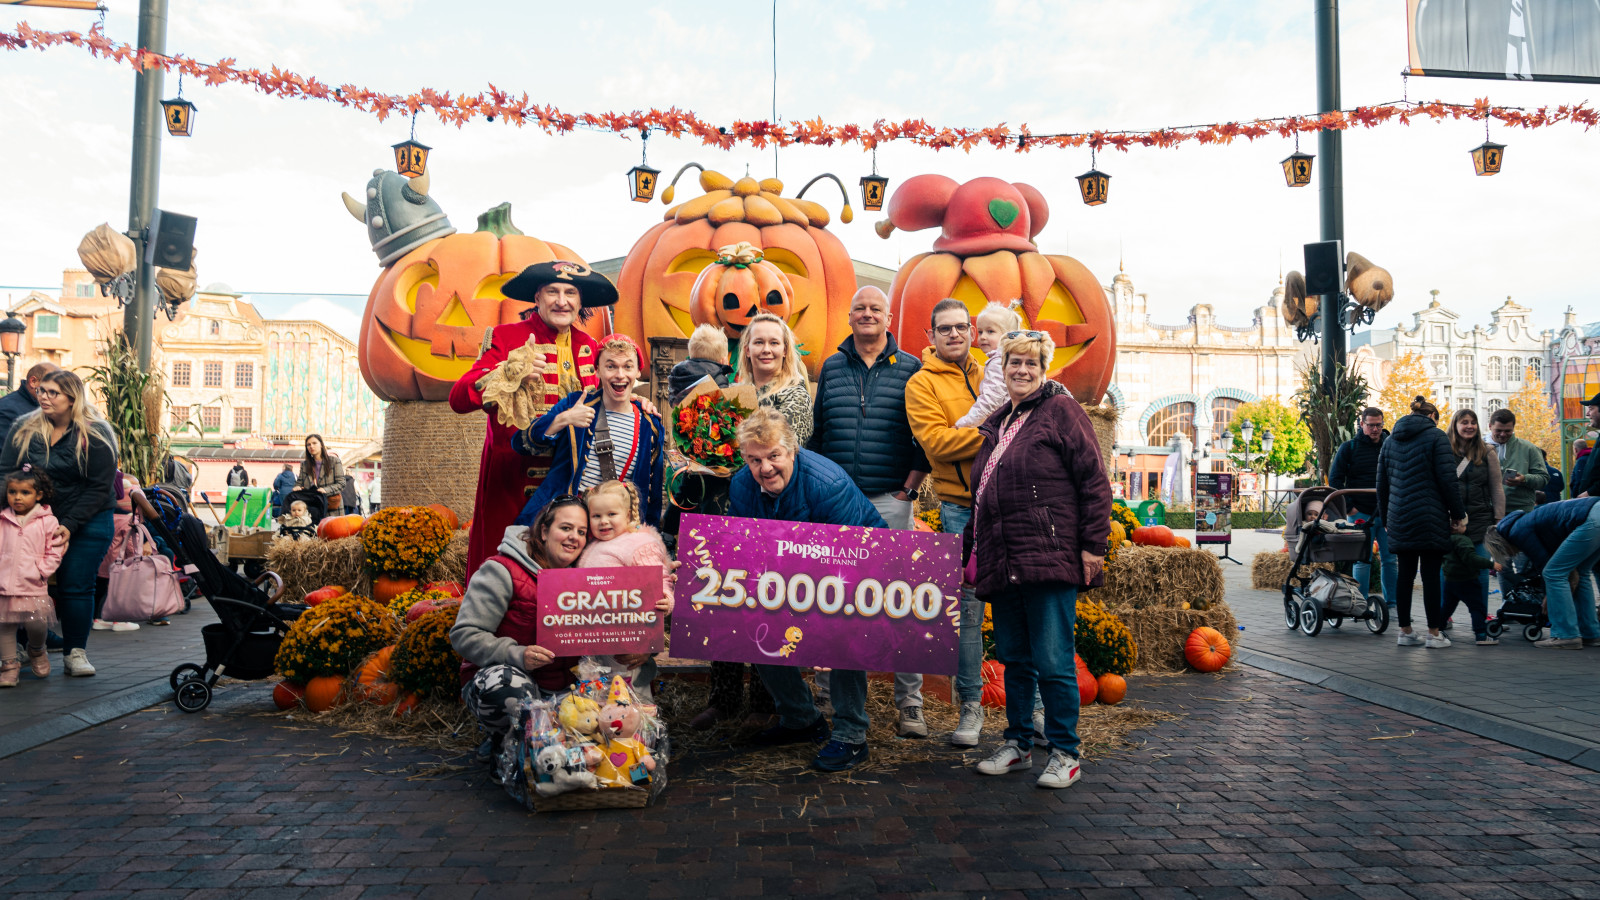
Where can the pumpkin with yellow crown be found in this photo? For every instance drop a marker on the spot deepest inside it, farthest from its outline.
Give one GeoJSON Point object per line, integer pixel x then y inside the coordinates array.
{"type": "Point", "coordinates": [656, 287]}
{"type": "Point", "coordinates": [986, 253]}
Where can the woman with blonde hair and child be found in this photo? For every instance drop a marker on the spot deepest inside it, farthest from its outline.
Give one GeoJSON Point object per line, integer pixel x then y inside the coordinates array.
{"type": "Point", "coordinates": [28, 557]}
{"type": "Point", "coordinates": [618, 537]}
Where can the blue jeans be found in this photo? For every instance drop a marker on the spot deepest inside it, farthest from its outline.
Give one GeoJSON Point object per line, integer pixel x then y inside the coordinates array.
{"type": "Point", "coordinates": [953, 519]}
{"type": "Point", "coordinates": [1033, 639]}
{"type": "Point", "coordinates": [74, 593]}
{"type": "Point", "coordinates": [1388, 563]}
{"type": "Point", "coordinates": [1580, 552]}
{"type": "Point", "coordinates": [797, 708]}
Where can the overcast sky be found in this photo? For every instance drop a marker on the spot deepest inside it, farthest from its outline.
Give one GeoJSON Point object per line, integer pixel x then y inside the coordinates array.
{"type": "Point", "coordinates": [1195, 225]}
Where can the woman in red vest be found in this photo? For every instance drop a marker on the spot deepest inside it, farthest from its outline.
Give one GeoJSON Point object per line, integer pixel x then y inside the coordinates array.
{"type": "Point", "coordinates": [563, 293]}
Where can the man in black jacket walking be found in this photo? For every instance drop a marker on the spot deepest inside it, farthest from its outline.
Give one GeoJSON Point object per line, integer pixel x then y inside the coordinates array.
{"type": "Point", "coordinates": [1355, 467]}
{"type": "Point", "coordinates": [23, 400]}
{"type": "Point", "coordinates": [859, 422]}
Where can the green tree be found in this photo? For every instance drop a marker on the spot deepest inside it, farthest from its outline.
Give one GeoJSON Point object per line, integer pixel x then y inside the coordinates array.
{"type": "Point", "coordinates": [1291, 439]}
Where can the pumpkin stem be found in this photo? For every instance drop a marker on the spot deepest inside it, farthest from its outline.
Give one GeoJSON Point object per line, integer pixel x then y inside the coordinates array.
{"type": "Point", "coordinates": [497, 221]}
{"type": "Point", "coordinates": [846, 214]}
{"type": "Point", "coordinates": [666, 195]}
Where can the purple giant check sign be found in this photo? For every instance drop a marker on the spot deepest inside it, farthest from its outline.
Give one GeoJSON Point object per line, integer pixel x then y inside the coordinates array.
{"type": "Point", "coordinates": [793, 594]}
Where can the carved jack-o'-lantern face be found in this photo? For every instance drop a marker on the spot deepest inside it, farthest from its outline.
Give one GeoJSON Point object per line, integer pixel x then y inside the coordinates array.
{"type": "Point", "coordinates": [427, 312]}
{"type": "Point", "coordinates": [657, 281]}
{"type": "Point", "coordinates": [740, 285]}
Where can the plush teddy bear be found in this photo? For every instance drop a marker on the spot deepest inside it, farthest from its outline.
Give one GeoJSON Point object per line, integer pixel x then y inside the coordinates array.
{"type": "Point", "coordinates": [624, 760]}
{"type": "Point", "coordinates": [558, 773]}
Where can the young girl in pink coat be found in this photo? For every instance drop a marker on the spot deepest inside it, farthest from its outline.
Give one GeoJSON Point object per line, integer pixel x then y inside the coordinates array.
{"type": "Point", "coordinates": [28, 557]}
{"type": "Point", "coordinates": [616, 538]}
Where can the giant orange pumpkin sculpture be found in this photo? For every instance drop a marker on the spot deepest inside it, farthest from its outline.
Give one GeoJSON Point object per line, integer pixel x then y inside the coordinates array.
{"type": "Point", "coordinates": [439, 289]}
{"type": "Point", "coordinates": [656, 284]}
{"type": "Point", "coordinates": [986, 253]}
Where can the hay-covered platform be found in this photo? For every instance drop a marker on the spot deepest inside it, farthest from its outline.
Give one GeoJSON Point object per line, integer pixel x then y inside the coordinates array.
{"type": "Point", "coordinates": [1269, 569]}
{"type": "Point", "coordinates": [1162, 594]}
{"type": "Point", "coordinates": [305, 566]}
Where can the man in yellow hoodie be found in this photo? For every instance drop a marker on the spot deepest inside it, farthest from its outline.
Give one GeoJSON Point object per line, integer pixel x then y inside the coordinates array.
{"type": "Point", "coordinates": [938, 394]}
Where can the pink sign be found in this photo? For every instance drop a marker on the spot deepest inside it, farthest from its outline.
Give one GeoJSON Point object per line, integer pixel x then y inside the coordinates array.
{"type": "Point", "coordinates": [600, 610]}
{"type": "Point", "coordinates": [795, 594]}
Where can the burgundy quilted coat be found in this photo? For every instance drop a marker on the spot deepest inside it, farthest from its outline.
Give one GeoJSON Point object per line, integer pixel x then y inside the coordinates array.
{"type": "Point", "coordinates": [1047, 500]}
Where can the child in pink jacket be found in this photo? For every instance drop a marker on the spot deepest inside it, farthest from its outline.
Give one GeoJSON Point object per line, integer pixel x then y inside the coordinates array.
{"type": "Point", "coordinates": [28, 557]}
{"type": "Point", "coordinates": [616, 538]}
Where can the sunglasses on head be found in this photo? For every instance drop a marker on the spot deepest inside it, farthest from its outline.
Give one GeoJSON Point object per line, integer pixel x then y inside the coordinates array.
{"type": "Point", "coordinates": [1036, 335]}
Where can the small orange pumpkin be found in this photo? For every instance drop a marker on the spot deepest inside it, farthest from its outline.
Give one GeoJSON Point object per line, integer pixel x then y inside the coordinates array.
{"type": "Point", "coordinates": [1181, 541]}
{"type": "Point", "coordinates": [449, 516]}
{"type": "Point", "coordinates": [737, 287]}
{"type": "Point", "coordinates": [1113, 688]}
{"type": "Point", "coordinates": [1088, 688]}
{"type": "Point", "coordinates": [335, 527]}
{"type": "Point", "coordinates": [407, 704]}
{"type": "Point", "coordinates": [992, 670]}
{"type": "Point", "coordinates": [325, 593]}
{"type": "Point", "coordinates": [994, 694]}
{"type": "Point", "coordinates": [1153, 536]}
{"type": "Point", "coordinates": [1207, 650]}
{"type": "Point", "coordinates": [324, 692]}
{"type": "Point", "coordinates": [388, 587]}
{"type": "Point", "coordinates": [372, 679]}
{"type": "Point", "coordinates": [422, 607]}
{"type": "Point", "coordinates": [453, 588]}
{"type": "Point", "coordinates": [287, 694]}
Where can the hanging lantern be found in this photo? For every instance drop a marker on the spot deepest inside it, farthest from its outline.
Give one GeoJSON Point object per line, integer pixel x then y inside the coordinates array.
{"type": "Point", "coordinates": [642, 178]}
{"type": "Point", "coordinates": [1094, 184]}
{"type": "Point", "coordinates": [179, 113]}
{"type": "Point", "coordinates": [411, 157]}
{"type": "Point", "coordinates": [1486, 157]}
{"type": "Point", "coordinates": [873, 187]}
{"type": "Point", "coordinates": [1297, 166]}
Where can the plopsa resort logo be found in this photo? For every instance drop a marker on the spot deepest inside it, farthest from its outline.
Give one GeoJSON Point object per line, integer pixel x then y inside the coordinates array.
{"type": "Point", "coordinates": [823, 551]}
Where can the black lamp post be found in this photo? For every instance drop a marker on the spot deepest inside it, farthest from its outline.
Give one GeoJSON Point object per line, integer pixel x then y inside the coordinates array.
{"type": "Point", "coordinates": [11, 331]}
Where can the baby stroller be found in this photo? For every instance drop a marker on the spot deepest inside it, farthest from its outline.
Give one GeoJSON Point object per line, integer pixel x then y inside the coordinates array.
{"type": "Point", "coordinates": [1522, 597]}
{"type": "Point", "coordinates": [244, 643]}
{"type": "Point", "coordinates": [1318, 531]}
{"type": "Point", "coordinates": [316, 503]}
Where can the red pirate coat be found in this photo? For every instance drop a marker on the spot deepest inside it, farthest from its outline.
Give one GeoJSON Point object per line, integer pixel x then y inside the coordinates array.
{"type": "Point", "coordinates": [507, 479]}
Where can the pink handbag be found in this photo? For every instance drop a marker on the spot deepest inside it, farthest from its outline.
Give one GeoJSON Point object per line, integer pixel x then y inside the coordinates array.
{"type": "Point", "coordinates": [142, 587]}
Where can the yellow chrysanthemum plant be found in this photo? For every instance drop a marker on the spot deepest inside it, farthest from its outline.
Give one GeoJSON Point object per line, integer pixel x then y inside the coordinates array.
{"type": "Point", "coordinates": [1103, 640]}
{"type": "Point", "coordinates": [404, 541]}
{"type": "Point", "coordinates": [335, 637]}
{"type": "Point", "coordinates": [424, 662]}
{"type": "Point", "coordinates": [402, 604]}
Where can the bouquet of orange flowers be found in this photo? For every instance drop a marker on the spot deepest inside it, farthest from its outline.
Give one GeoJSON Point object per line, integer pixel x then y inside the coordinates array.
{"type": "Point", "coordinates": [703, 427]}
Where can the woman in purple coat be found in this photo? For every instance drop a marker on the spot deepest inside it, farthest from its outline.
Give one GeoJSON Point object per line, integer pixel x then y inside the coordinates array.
{"type": "Point", "coordinates": [1040, 521]}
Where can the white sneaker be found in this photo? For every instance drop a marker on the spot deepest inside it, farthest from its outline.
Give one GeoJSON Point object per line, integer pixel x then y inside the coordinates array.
{"type": "Point", "coordinates": [912, 724]}
{"type": "Point", "coordinates": [101, 625]}
{"type": "Point", "coordinates": [1409, 639]}
{"type": "Point", "coordinates": [1061, 771]}
{"type": "Point", "coordinates": [1009, 758]}
{"type": "Point", "coordinates": [77, 664]}
{"type": "Point", "coordinates": [1436, 642]}
{"type": "Point", "coordinates": [124, 626]}
{"type": "Point", "coordinates": [969, 727]}
{"type": "Point", "coordinates": [1038, 729]}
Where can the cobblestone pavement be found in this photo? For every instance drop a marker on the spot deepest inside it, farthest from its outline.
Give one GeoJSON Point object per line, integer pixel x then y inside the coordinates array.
{"type": "Point", "coordinates": [1543, 700]}
{"type": "Point", "coordinates": [1265, 787]}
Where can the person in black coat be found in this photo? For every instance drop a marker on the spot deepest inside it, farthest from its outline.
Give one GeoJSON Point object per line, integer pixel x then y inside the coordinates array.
{"type": "Point", "coordinates": [1355, 467]}
{"type": "Point", "coordinates": [1418, 499]}
{"type": "Point", "coordinates": [24, 399]}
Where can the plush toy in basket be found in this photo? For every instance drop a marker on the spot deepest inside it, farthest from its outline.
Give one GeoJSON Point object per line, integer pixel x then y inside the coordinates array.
{"type": "Point", "coordinates": [595, 747]}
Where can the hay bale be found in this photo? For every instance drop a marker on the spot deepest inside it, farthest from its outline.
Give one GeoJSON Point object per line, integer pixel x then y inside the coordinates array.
{"type": "Point", "coordinates": [1162, 631]}
{"type": "Point", "coordinates": [1162, 576]}
{"type": "Point", "coordinates": [305, 566]}
{"type": "Point", "coordinates": [1104, 418]}
{"type": "Point", "coordinates": [431, 455]}
{"type": "Point", "coordinates": [1269, 569]}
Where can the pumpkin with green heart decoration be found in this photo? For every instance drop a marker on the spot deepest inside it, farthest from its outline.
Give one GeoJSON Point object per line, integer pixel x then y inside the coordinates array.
{"type": "Point", "coordinates": [986, 254]}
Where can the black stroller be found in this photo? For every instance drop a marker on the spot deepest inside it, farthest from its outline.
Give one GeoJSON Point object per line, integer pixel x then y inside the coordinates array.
{"type": "Point", "coordinates": [316, 507]}
{"type": "Point", "coordinates": [1522, 597]}
{"type": "Point", "coordinates": [1318, 531]}
{"type": "Point", "coordinates": [244, 643]}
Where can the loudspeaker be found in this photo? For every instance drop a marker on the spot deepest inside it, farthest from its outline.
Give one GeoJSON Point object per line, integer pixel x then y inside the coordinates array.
{"type": "Point", "coordinates": [1324, 269]}
{"type": "Point", "coordinates": [171, 241]}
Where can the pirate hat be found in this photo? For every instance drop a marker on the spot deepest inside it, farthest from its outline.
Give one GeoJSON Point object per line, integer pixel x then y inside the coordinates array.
{"type": "Point", "coordinates": [594, 289]}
